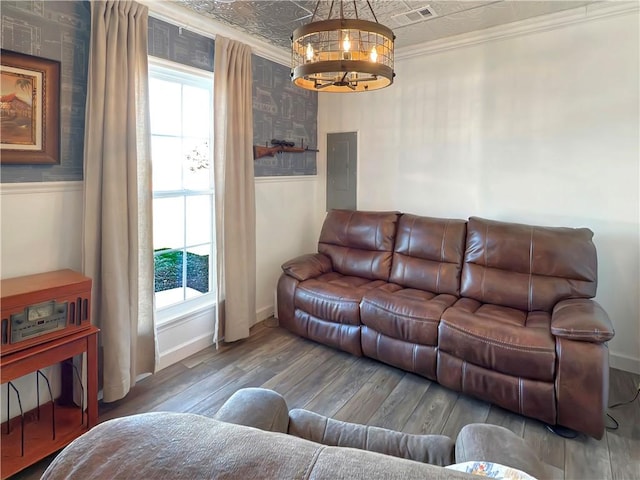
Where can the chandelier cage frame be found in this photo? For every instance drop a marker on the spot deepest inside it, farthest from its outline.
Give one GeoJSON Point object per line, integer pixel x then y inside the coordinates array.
{"type": "Point", "coordinates": [342, 54]}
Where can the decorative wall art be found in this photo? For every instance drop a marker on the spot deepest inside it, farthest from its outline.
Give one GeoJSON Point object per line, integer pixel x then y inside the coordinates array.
{"type": "Point", "coordinates": [29, 109]}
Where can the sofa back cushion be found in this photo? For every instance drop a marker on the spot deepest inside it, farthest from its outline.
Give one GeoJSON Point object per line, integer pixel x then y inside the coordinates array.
{"type": "Point", "coordinates": [428, 253]}
{"type": "Point", "coordinates": [527, 267]}
{"type": "Point", "coordinates": [359, 243]}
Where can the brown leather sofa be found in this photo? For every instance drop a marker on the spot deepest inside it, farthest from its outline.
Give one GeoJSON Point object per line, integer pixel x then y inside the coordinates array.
{"type": "Point", "coordinates": [500, 311]}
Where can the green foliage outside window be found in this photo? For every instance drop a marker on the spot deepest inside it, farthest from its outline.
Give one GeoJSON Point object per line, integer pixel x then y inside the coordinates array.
{"type": "Point", "coordinates": [168, 270]}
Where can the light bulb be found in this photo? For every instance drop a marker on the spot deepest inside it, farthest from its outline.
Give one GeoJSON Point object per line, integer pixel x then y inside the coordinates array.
{"type": "Point", "coordinates": [309, 52]}
{"type": "Point", "coordinates": [346, 44]}
{"type": "Point", "coordinates": [373, 55]}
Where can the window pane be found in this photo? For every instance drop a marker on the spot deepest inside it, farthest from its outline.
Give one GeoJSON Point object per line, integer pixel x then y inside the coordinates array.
{"type": "Point", "coordinates": [198, 219]}
{"type": "Point", "coordinates": [197, 171]}
{"type": "Point", "coordinates": [198, 262]}
{"type": "Point", "coordinates": [197, 111]}
{"type": "Point", "coordinates": [182, 129]}
{"type": "Point", "coordinates": [168, 269]}
{"type": "Point", "coordinates": [165, 107]}
{"type": "Point", "coordinates": [167, 163]}
{"type": "Point", "coordinates": [168, 223]}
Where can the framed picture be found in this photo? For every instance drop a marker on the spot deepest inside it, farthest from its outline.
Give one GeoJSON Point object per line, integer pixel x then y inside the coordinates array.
{"type": "Point", "coordinates": [29, 109]}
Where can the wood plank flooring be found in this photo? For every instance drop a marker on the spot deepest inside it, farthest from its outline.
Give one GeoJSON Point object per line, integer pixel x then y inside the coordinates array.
{"type": "Point", "coordinates": [364, 391]}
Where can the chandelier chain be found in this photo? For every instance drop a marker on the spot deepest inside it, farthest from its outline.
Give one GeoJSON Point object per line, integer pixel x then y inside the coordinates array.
{"type": "Point", "coordinates": [372, 12]}
{"type": "Point", "coordinates": [315, 10]}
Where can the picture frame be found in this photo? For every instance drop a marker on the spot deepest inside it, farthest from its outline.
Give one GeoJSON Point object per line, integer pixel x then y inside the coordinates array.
{"type": "Point", "coordinates": [29, 109]}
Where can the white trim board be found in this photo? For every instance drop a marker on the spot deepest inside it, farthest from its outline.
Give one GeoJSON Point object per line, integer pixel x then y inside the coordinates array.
{"type": "Point", "coordinates": [624, 362]}
{"type": "Point", "coordinates": [39, 187]}
{"type": "Point", "coordinates": [286, 178]}
{"type": "Point", "coordinates": [184, 350]}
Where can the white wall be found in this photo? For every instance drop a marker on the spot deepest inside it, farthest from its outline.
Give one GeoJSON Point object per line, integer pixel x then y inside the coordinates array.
{"type": "Point", "coordinates": [289, 213]}
{"type": "Point", "coordinates": [538, 128]}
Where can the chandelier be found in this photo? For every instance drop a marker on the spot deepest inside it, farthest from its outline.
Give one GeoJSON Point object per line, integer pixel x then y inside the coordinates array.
{"type": "Point", "coordinates": [342, 54]}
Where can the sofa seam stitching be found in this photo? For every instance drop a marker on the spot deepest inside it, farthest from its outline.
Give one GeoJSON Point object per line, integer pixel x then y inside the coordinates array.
{"type": "Point", "coordinates": [531, 247]}
{"type": "Point", "coordinates": [497, 343]}
{"type": "Point", "coordinates": [327, 296]}
{"type": "Point", "coordinates": [412, 317]}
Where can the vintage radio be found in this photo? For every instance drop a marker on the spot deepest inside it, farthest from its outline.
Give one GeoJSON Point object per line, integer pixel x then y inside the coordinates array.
{"type": "Point", "coordinates": [39, 308]}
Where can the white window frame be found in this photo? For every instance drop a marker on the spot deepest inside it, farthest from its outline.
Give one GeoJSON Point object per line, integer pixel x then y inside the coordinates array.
{"type": "Point", "coordinates": [172, 71]}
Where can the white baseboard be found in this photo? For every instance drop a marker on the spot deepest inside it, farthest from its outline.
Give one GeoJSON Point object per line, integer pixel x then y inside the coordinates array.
{"type": "Point", "coordinates": [624, 362]}
{"type": "Point", "coordinates": [263, 313]}
{"type": "Point", "coordinates": [184, 350]}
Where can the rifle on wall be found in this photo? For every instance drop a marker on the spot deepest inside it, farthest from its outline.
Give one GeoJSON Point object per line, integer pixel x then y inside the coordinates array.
{"type": "Point", "coordinates": [278, 146]}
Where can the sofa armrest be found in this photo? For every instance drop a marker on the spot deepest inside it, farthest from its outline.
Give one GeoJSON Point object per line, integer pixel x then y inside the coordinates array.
{"type": "Point", "coordinates": [307, 266]}
{"type": "Point", "coordinates": [581, 320]}
{"type": "Point", "coordinates": [256, 407]}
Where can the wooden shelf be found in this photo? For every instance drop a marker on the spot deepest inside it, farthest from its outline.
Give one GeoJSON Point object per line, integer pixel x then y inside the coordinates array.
{"type": "Point", "coordinates": [38, 440]}
{"type": "Point", "coordinates": [38, 435]}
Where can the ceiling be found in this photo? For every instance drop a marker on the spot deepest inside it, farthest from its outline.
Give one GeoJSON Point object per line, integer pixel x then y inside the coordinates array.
{"type": "Point", "coordinates": [413, 22]}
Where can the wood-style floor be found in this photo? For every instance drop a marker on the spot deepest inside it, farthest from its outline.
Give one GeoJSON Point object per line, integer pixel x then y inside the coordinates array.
{"type": "Point", "coordinates": [365, 391]}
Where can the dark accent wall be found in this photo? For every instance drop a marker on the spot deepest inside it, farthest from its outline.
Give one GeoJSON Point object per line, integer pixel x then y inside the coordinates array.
{"type": "Point", "coordinates": [180, 45]}
{"type": "Point", "coordinates": [59, 31]}
{"type": "Point", "coordinates": [284, 112]}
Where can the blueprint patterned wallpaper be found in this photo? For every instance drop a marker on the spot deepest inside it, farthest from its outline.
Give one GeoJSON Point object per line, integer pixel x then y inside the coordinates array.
{"type": "Point", "coordinates": [279, 110]}
{"type": "Point", "coordinates": [180, 45]}
{"type": "Point", "coordinates": [58, 30]}
{"type": "Point", "coordinates": [284, 112]}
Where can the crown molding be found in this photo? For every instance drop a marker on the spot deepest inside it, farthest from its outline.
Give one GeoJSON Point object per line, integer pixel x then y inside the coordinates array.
{"type": "Point", "coordinates": [524, 27]}
{"type": "Point", "coordinates": [171, 12]}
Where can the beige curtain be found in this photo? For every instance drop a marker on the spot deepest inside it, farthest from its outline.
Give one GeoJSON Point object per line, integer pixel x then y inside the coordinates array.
{"type": "Point", "coordinates": [118, 246]}
{"type": "Point", "coordinates": [235, 190]}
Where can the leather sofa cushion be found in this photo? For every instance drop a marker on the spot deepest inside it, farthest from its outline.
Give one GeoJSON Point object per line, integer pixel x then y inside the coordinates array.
{"type": "Point", "coordinates": [359, 243]}
{"type": "Point", "coordinates": [428, 253]}
{"type": "Point", "coordinates": [405, 314]}
{"type": "Point", "coordinates": [527, 267]}
{"type": "Point", "coordinates": [499, 338]}
{"type": "Point", "coordinates": [334, 297]}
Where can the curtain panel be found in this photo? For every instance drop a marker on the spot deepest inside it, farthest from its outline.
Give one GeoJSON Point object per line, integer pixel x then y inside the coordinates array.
{"type": "Point", "coordinates": [235, 190]}
{"type": "Point", "coordinates": [117, 240]}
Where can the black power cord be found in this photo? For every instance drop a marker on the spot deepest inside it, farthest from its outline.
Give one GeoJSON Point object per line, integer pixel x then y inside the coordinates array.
{"type": "Point", "coordinates": [619, 404]}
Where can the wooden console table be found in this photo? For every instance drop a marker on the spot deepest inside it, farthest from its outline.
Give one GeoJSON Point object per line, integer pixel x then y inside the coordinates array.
{"type": "Point", "coordinates": [38, 442]}
{"type": "Point", "coordinates": [60, 301]}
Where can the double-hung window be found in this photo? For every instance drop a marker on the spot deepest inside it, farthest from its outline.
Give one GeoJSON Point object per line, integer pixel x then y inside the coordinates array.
{"type": "Point", "coordinates": [181, 105]}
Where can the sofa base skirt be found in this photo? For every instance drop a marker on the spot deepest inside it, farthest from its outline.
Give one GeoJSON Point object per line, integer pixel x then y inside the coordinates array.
{"type": "Point", "coordinates": [420, 359]}
{"type": "Point", "coordinates": [338, 335]}
{"type": "Point", "coordinates": [532, 398]}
